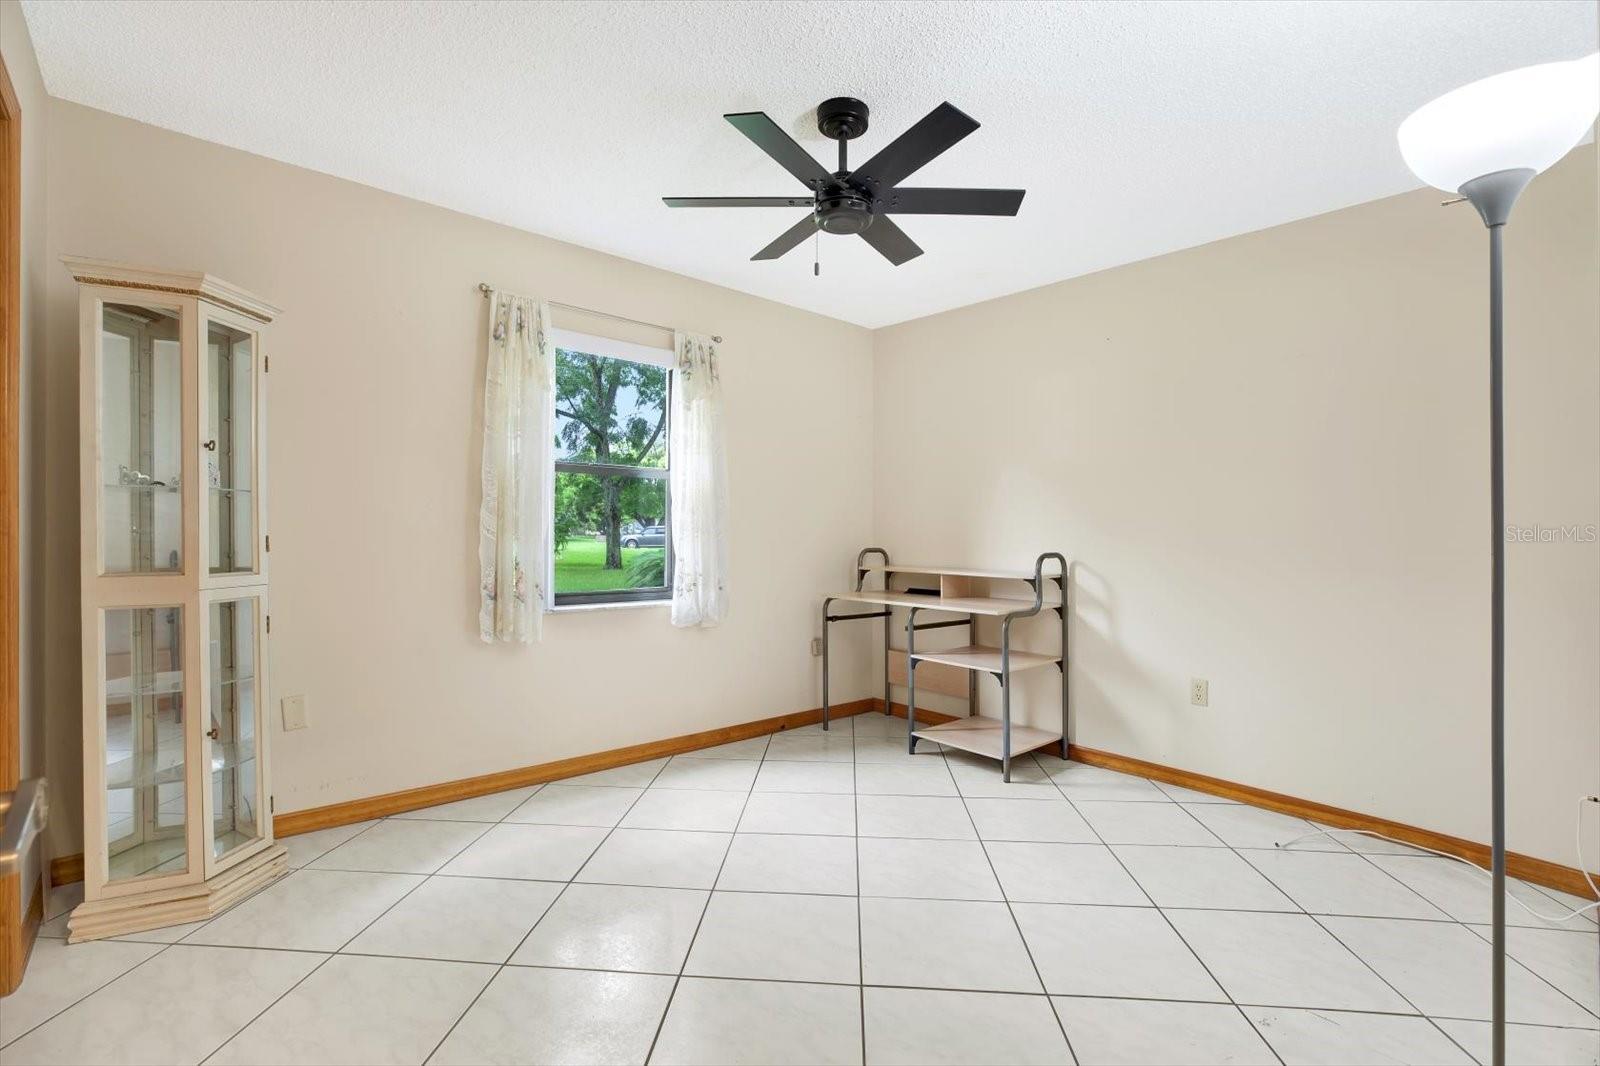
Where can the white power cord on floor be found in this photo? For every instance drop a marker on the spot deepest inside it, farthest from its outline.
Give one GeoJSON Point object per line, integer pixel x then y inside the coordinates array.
{"type": "Point", "coordinates": [1583, 867]}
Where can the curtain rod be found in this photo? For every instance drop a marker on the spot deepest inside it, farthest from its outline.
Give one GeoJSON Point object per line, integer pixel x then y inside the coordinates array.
{"type": "Point", "coordinates": [486, 289]}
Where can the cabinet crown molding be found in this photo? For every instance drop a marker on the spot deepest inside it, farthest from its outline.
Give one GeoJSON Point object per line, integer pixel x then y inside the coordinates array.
{"type": "Point", "coordinates": [88, 271]}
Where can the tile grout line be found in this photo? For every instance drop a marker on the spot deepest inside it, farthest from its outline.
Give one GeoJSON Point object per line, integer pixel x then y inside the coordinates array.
{"type": "Point", "coordinates": [108, 983]}
{"type": "Point", "coordinates": [855, 841]}
{"type": "Point", "coordinates": [1006, 898]}
{"type": "Point", "coordinates": [1449, 918]}
{"type": "Point", "coordinates": [1161, 911]}
{"type": "Point", "coordinates": [1468, 926]}
{"type": "Point", "coordinates": [1472, 932]}
{"type": "Point", "coordinates": [164, 945]}
{"type": "Point", "coordinates": [666, 1008]}
{"type": "Point", "coordinates": [568, 883]}
{"type": "Point", "coordinates": [1446, 916]}
{"type": "Point", "coordinates": [1321, 925]}
{"type": "Point", "coordinates": [330, 956]}
{"type": "Point", "coordinates": [909, 987]}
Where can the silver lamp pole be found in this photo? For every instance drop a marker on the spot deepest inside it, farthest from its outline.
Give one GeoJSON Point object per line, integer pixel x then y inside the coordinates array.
{"type": "Point", "coordinates": [1494, 195]}
{"type": "Point", "coordinates": [1487, 141]}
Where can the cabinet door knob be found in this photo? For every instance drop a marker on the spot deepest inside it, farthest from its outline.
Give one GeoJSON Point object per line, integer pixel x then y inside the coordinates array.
{"type": "Point", "coordinates": [214, 733]}
{"type": "Point", "coordinates": [210, 445]}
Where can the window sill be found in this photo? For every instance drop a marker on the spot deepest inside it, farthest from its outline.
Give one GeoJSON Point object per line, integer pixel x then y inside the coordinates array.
{"type": "Point", "coordinates": [620, 605]}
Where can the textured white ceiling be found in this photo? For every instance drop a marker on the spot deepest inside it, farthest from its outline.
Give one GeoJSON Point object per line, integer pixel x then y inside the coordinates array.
{"type": "Point", "coordinates": [1137, 127]}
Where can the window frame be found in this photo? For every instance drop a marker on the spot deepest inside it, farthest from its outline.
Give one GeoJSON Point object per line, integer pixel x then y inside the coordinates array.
{"type": "Point", "coordinates": [628, 352]}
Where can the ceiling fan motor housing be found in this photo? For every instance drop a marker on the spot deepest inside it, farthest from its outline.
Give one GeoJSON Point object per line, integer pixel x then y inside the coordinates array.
{"type": "Point", "coordinates": [843, 211]}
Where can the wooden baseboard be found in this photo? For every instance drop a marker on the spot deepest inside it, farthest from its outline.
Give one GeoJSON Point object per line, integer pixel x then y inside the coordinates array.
{"type": "Point", "coordinates": [1539, 871]}
{"type": "Point", "coordinates": [66, 869]}
{"type": "Point", "coordinates": [18, 945]}
{"type": "Point", "coordinates": [296, 822]}
{"type": "Point", "coordinates": [69, 868]}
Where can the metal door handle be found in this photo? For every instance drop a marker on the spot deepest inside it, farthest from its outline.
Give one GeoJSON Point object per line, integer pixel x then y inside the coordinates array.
{"type": "Point", "coordinates": [214, 733]}
{"type": "Point", "coordinates": [210, 445]}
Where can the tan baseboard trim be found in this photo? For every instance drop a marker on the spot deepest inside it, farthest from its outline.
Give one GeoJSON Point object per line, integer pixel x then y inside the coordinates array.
{"type": "Point", "coordinates": [296, 822]}
{"type": "Point", "coordinates": [1539, 871]}
{"type": "Point", "coordinates": [66, 869]}
{"type": "Point", "coordinates": [69, 868]}
{"type": "Point", "coordinates": [923, 714]}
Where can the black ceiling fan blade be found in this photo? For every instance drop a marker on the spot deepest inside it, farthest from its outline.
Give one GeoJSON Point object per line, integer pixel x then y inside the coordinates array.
{"type": "Point", "coordinates": [792, 238]}
{"type": "Point", "coordinates": [890, 241]}
{"type": "Point", "coordinates": [770, 138]}
{"type": "Point", "coordinates": [952, 201]}
{"type": "Point", "coordinates": [907, 153]}
{"type": "Point", "coordinates": [738, 201]}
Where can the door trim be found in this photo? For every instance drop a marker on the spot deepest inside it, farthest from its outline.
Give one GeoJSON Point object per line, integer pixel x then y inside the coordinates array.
{"type": "Point", "coordinates": [16, 931]}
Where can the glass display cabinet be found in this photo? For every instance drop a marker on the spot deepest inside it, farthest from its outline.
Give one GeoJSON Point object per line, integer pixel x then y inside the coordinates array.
{"type": "Point", "coordinates": [176, 775]}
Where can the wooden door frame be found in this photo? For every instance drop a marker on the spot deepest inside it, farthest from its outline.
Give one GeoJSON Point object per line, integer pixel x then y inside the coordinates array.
{"type": "Point", "coordinates": [16, 930]}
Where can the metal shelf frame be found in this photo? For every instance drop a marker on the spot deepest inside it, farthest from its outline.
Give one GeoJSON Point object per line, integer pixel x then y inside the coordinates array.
{"type": "Point", "coordinates": [1025, 609]}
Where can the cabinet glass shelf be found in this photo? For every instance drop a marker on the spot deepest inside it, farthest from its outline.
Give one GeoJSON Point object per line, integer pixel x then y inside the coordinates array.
{"type": "Point", "coordinates": [118, 486]}
{"type": "Point", "coordinates": [124, 774]}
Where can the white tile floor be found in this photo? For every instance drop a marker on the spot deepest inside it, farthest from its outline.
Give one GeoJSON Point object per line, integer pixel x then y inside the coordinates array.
{"type": "Point", "coordinates": [822, 899]}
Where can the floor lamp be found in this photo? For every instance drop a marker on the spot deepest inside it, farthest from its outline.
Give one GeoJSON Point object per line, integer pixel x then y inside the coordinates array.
{"type": "Point", "coordinates": [1486, 141]}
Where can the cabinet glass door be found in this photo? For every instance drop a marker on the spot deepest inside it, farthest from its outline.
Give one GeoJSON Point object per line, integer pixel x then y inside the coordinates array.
{"type": "Point", "coordinates": [141, 440]}
{"type": "Point", "coordinates": [233, 724]}
{"type": "Point", "coordinates": [145, 796]}
{"type": "Point", "coordinates": [230, 448]}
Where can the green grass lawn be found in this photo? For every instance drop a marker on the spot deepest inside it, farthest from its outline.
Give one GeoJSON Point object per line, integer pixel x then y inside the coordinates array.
{"type": "Point", "coordinates": [580, 566]}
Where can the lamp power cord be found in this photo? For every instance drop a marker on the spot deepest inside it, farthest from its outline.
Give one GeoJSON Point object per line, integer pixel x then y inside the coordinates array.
{"type": "Point", "coordinates": [1583, 866]}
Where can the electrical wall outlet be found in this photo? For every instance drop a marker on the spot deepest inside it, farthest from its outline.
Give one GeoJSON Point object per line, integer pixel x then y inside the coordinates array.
{"type": "Point", "coordinates": [816, 646]}
{"type": "Point", "coordinates": [1199, 692]}
{"type": "Point", "coordinates": [294, 713]}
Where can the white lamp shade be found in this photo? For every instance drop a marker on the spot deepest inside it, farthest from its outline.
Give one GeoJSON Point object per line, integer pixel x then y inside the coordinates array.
{"type": "Point", "coordinates": [1522, 119]}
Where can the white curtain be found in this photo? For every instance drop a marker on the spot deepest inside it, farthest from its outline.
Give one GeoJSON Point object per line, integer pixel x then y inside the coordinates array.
{"type": "Point", "coordinates": [514, 523]}
{"type": "Point", "coordinates": [698, 481]}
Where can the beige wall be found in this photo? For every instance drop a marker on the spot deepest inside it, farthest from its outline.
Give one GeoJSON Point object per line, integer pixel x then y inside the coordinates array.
{"type": "Point", "coordinates": [375, 387]}
{"type": "Point", "coordinates": [1269, 458]}
{"type": "Point", "coordinates": [17, 49]}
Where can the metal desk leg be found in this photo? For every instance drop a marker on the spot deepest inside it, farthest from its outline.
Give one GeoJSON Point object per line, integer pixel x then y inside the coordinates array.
{"type": "Point", "coordinates": [825, 626]}
{"type": "Point", "coordinates": [911, 682]}
{"type": "Point", "coordinates": [1065, 699]}
{"type": "Point", "coordinates": [972, 675]}
{"type": "Point", "coordinates": [1005, 700]}
{"type": "Point", "coordinates": [888, 627]}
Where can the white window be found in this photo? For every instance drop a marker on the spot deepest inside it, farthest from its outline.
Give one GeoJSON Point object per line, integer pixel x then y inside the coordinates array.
{"type": "Point", "coordinates": [611, 541]}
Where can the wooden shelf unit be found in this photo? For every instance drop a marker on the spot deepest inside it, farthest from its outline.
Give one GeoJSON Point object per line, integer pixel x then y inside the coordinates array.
{"type": "Point", "coordinates": [985, 659]}
{"type": "Point", "coordinates": [984, 736]}
{"type": "Point", "coordinates": [990, 606]}
{"type": "Point", "coordinates": [960, 591]}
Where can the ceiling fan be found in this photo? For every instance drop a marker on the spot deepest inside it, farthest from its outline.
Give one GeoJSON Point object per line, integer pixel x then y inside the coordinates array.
{"type": "Point", "coordinates": [859, 201]}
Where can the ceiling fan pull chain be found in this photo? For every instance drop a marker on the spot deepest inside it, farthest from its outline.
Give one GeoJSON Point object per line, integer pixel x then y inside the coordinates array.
{"type": "Point", "coordinates": [816, 254]}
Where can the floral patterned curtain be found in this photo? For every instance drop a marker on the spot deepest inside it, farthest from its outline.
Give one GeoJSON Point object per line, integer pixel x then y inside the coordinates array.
{"type": "Point", "coordinates": [514, 522]}
{"type": "Point", "coordinates": [698, 476]}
